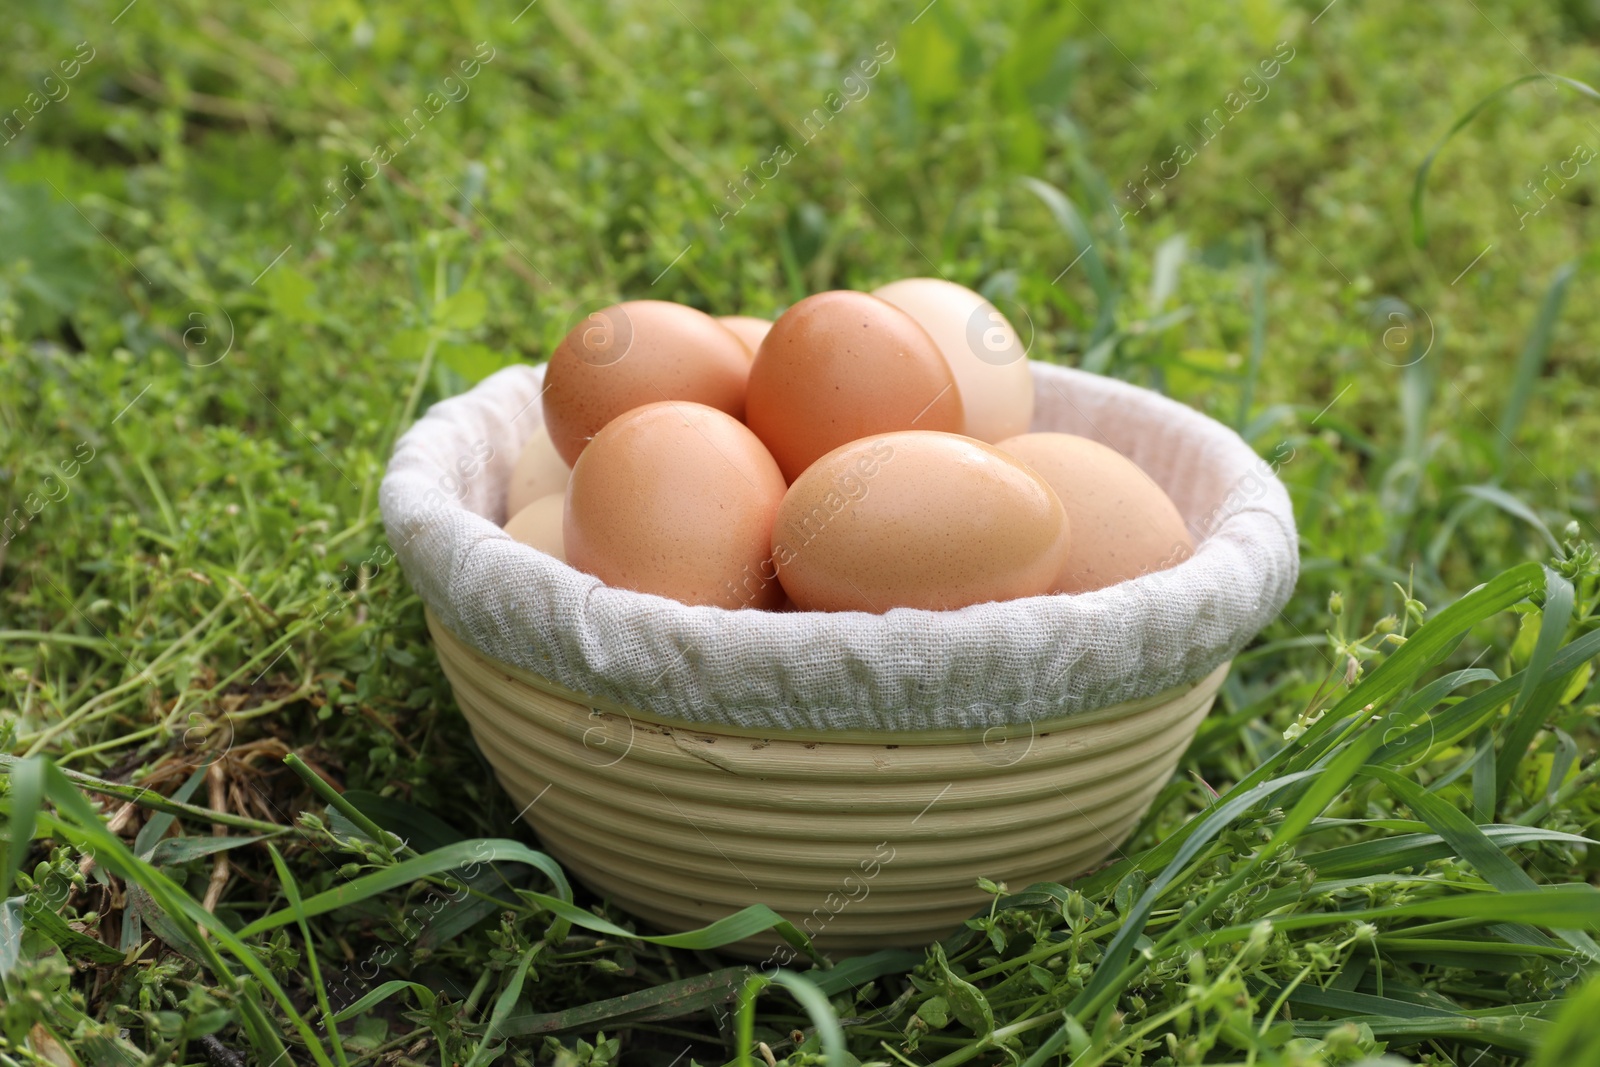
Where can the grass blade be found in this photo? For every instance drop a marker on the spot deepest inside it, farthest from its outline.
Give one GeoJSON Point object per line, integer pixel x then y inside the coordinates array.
{"type": "Point", "coordinates": [1552, 906]}
{"type": "Point", "coordinates": [752, 920]}
{"type": "Point", "coordinates": [1170, 255]}
{"type": "Point", "coordinates": [1462, 719]}
{"type": "Point", "coordinates": [686, 996]}
{"type": "Point", "coordinates": [420, 828]}
{"type": "Point", "coordinates": [145, 798]}
{"type": "Point", "coordinates": [382, 993]}
{"type": "Point", "coordinates": [291, 889]}
{"type": "Point", "coordinates": [1346, 1002]}
{"type": "Point", "coordinates": [1419, 233]}
{"type": "Point", "coordinates": [1530, 365]}
{"type": "Point", "coordinates": [666, 1001]}
{"type": "Point", "coordinates": [1483, 780]}
{"type": "Point", "coordinates": [1562, 761]}
{"type": "Point", "coordinates": [1519, 1034]}
{"type": "Point", "coordinates": [27, 792]}
{"type": "Point", "coordinates": [1428, 646]}
{"type": "Point", "coordinates": [504, 1003]}
{"type": "Point", "coordinates": [156, 828]}
{"type": "Point", "coordinates": [809, 997]}
{"type": "Point", "coordinates": [475, 905]}
{"type": "Point", "coordinates": [1071, 220]}
{"type": "Point", "coordinates": [1527, 713]}
{"type": "Point", "coordinates": [172, 851]}
{"type": "Point", "coordinates": [1258, 329]}
{"type": "Point", "coordinates": [77, 946]}
{"type": "Point", "coordinates": [1573, 1036]}
{"type": "Point", "coordinates": [338, 803]}
{"type": "Point", "coordinates": [1412, 850]}
{"type": "Point", "coordinates": [450, 858]}
{"type": "Point", "coordinates": [1423, 701]}
{"type": "Point", "coordinates": [1514, 507]}
{"type": "Point", "coordinates": [1472, 845]}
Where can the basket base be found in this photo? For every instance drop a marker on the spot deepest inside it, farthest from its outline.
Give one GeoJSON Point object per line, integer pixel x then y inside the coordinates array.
{"type": "Point", "coordinates": [862, 844]}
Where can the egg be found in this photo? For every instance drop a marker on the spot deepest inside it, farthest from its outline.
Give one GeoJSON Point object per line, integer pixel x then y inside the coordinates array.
{"type": "Point", "coordinates": [842, 365]}
{"type": "Point", "coordinates": [540, 471]}
{"type": "Point", "coordinates": [751, 331]}
{"type": "Point", "coordinates": [1123, 523]}
{"type": "Point", "coordinates": [538, 524]}
{"type": "Point", "coordinates": [634, 353]}
{"type": "Point", "coordinates": [677, 499]}
{"type": "Point", "coordinates": [984, 352]}
{"type": "Point", "coordinates": [917, 519]}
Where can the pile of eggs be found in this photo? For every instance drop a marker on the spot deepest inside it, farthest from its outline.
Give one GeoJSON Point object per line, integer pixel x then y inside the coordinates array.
{"type": "Point", "coordinates": [860, 453]}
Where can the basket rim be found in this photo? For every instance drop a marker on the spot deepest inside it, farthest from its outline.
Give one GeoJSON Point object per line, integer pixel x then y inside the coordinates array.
{"type": "Point", "coordinates": [447, 639]}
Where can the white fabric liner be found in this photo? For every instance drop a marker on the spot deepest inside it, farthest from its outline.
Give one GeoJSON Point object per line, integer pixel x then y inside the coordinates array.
{"type": "Point", "coordinates": [1003, 663]}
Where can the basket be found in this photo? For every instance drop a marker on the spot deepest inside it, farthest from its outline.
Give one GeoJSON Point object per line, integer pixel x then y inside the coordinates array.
{"type": "Point", "coordinates": [857, 773]}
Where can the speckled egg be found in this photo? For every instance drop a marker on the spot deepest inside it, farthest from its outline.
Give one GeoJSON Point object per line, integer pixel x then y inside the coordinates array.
{"type": "Point", "coordinates": [917, 519]}
{"type": "Point", "coordinates": [634, 353]}
{"type": "Point", "coordinates": [843, 365]}
{"type": "Point", "coordinates": [677, 499]}
{"type": "Point", "coordinates": [1123, 523]}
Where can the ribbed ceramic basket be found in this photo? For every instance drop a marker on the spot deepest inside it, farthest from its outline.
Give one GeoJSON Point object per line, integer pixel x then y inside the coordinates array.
{"type": "Point", "coordinates": [865, 841]}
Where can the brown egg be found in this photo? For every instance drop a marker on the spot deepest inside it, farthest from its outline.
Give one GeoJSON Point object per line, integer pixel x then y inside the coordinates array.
{"type": "Point", "coordinates": [635, 353]}
{"type": "Point", "coordinates": [1123, 523]}
{"type": "Point", "coordinates": [539, 472]}
{"type": "Point", "coordinates": [749, 330]}
{"type": "Point", "coordinates": [840, 366]}
{"type": "Point", "coordinates": [539, 525]}
{"type": "Point", "coordinates": [985, 354]}
{"type": "Point", "coordinates": [920, 520]}
{"type": "Point", "coordinates": [677, 499]}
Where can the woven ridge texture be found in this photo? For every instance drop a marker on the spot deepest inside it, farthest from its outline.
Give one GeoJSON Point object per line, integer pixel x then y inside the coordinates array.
{"type": "Point", "coordinates": [1012, 662]}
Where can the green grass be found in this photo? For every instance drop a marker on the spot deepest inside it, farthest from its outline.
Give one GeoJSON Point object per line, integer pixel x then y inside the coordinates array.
{"type": "Point", "coordinates": [203, 367]}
